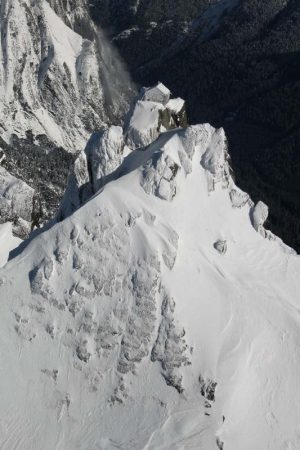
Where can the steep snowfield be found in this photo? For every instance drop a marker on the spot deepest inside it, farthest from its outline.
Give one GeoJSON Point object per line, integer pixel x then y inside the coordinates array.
{"type": "Point", "coordinates": [155, 316]}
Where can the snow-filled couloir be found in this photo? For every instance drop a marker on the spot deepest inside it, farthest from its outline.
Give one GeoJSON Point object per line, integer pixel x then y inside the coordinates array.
{"type": "Point", "coordinates": [157, 313]}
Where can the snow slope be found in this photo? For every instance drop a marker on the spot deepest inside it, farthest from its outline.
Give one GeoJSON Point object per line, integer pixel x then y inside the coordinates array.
{"type": "Point", "coordinates": [125, 327]}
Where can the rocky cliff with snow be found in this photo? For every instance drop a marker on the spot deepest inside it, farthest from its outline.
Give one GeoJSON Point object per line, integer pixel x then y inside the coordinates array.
{"type": "Point", "coordinates": [157, 313]}
{"type": "Point", "coordinates": [49, 75]}
{"type": "Point", "coordinates": [55, 67]}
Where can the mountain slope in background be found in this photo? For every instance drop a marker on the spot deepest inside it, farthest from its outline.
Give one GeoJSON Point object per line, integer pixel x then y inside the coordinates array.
{"type": "Point", "coordinates": [159, 314]}
{"type": "Point", "coordinates": [49, 76]}
{"type": "Point", "coordinates": [237, 65]}
{"type": "Point", "coordinates": [56, 87]}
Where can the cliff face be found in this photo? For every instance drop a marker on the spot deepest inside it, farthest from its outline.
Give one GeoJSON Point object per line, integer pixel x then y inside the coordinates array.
{"type": "Point", "coordinates": [49, 75]}
{"type": "Point", "coordinates": [57, 86]}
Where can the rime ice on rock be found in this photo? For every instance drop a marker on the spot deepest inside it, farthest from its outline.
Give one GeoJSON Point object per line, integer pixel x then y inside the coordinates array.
{"type": "Point", "coordinates": [170, 348]}
{"type": "Point", "coordinates": [104, 153]}
{"type": "Point", "coordinates": [259, 215]}
{"type": "Point", "coordinates": [239, 198]}
{"type": "Point", "coordinates": [152, 114]}
{"type": "Point", "coordinates": [158, 94]}
{"type": "Point", "coordinates": [56, 91]}
{"type": "Point", "coordinates": [102, 156]}
{"type": "Point", "coordinates": [16, 203]}
{"type": "Point", "coordinates": [144, 124]}
{"type": "Point", "coordinates": [176, 107]}
{"type": "Point", "coordinates": [215, 159]}
{"type": "Point", "coordinates": [208, 388]}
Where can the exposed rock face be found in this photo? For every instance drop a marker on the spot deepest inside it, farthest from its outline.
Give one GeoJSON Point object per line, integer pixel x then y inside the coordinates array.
{"type": "Point", "coordinates": [76, 16]}
{"type": "Point", "coordinates": [170, 347]}
{"type": "Point", "coordinates": [41, 165]}
{"type": "Point", "coordinates": [239, 198]}
{"type": "Point", "coordinates": [157, 94]}
{"type": "Point", "coordinates": [177, 108]}
{"type": "Point", "coordinates": [259, 216]}
{"type": "Point", "coordinates": [208, 388]}
{"type": "Point", "coordinates": [105, 150]}
{"type": "Point", "coordinates": [221, 246]}
{"type": "Point", "coordinates": [16, 203]}
{"type": "Point", "coordinates": [58, 84]}
{"type": "Point", "coordinates": [102, 155]}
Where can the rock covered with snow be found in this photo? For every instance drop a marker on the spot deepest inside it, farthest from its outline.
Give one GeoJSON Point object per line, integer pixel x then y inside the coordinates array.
{"type": "Point", "coordinates": [16, 203]}
{"type": "Point", "coordinates": [49, 75]}
{"type": "Point", "coordinates": [215, 158]}
{"type": "Point", "coordinates": [153, 113]}
{"type": "Point", "coordinates": [259, 216]}
{"type": "Point", "coordinates": [177, 108]}
{"type": "Point", "coordinates": [158, 94]}
{"type": "Point", "coordinates": [144, 124]}
{"type": "Point", "coordinates": [239, 198]}
{"type": "Point", "coordinates": [56, 73]}
{"type": "Point", "coordinates": [221, 246]}
{"type": "Point", "coordinates": [102, 155]}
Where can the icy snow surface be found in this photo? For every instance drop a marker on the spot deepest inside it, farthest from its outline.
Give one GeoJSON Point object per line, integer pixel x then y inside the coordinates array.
{"type": "Point", "coordinates": [122, 327]}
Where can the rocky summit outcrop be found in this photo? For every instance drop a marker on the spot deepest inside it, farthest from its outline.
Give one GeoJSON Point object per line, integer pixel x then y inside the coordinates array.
{"type": "Point", "coordinates": [152, 113]}
{"type": "Point", "coordinates": [103, 154]}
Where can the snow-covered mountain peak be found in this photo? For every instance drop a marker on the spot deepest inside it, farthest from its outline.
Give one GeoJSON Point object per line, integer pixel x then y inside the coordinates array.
{"type": "Point", "coordinates": [154, 315]}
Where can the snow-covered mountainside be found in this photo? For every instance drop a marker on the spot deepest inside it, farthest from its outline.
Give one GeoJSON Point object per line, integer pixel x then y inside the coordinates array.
{"type": "Point", "coordinates": [49, 76]}
{"type": "Point", "coordinates": [58, 83]}
{"type": "Point", "coordinates": [52, 77]}
{"type": "Point", "coordinates": [159, 314]}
